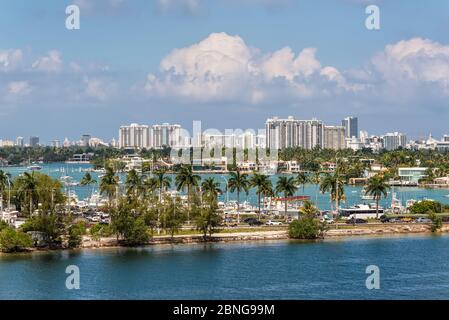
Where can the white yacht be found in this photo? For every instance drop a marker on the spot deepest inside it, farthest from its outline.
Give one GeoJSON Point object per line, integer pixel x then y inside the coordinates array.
{"type": "Point", "coordinates": [361, 211]}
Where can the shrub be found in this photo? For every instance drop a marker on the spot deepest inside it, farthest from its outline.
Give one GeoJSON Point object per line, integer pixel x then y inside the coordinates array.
{"type": "Point", "coordinates": [76, 233]}
{"type": "Point", "coordinates": [306, 228]}
{"type": "Point", "coordinates": [426, 206]}
{"type": "Point", "coordinates": [12, 240]}
{"type": "Point", "coordinates": [437, 221]}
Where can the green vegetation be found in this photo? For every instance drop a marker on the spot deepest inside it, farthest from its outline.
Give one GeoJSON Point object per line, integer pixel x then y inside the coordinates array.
{"type": "Point", "coordinates": [307, 226]}
{"type": "Point", "coordinates": [14, 240]}
{"type": "Point", "coordinates": [437, 221]}
{"type": "Point", "coordinates": [377, 187]}
{"type": "Point", "coordinates": [428, 206]}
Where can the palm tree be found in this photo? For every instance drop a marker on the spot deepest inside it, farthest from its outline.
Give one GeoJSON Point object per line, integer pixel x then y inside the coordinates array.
{"type": "Point", "coordinates": [288, 187]}
{"type": "Point", "coordinates": [87, 180]}
{"type": "Point", "coordinates": [302, 179]}
{"type": "Point", "coordinates": [333, 183]}
{"type": "Point", "coordinates": [109, 183]}
{"type": "Point", "coordinates": [259, 181]}
{"type": "Point", "coordinates": [5, 180]}
{"type": "Point", "coordinates": [133, 183]}
{"type": "Point", "coordinates": [267, 191]}
{"type": "Point", "coordinates": [186, 179]}
{"type": "Point", "coordinates": [308, 209]}
{"type": "Point", "coordinates": [150, 185]}
{"type": "Point", "coordinates": [28, 186]}
{"type": "Point", "coordinates": [238, 182]}
{"type": "Point", "coordinates": [163, 182]}
{"type": "Point", "coordinates": [211, 189]}
{"type": "Point", "coordinates": [377, 187]}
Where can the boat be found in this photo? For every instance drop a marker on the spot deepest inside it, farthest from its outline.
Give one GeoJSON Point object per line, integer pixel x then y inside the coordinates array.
{"type": "Point", "coordinates": [34, 167]}
{"type": "Point", "coordinates": [361, 211]}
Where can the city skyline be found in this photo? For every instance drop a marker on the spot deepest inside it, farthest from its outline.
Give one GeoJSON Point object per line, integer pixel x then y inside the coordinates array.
{"type": "Point", "coordinates": [215, 66]}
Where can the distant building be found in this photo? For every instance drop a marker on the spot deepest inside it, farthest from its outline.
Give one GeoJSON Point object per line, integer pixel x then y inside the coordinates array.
{"type": "Point", "coordinates": [292, 133]}
{"type": "Point", "coordinates": [134, 136]}
{"type": "Point", "coordinates": [85, 140]}
{"type": "Point", "coordinates": [351, 127]}
{"type": "Point", "coordinates": [19, 141]}
{"type": "Point", "coordinates": [392, 141]}
{"type": "Point", "coordinates": [334, 137]}
{"type": "Point", "coordinates": [167, 135]}
{"type": "Point", "coordinates": [56, 144]}
{"type": "Point", "coordinates": [34, 141]}
{"type": "Point", "coordinates": [412, 175]}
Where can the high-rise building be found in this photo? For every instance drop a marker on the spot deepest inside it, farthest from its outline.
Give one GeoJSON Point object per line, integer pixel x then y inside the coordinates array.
{"type": "Point", "coordinates": [446, 138]}
{"type": "Point", "coordinates": [334, 137]}
{"type": "Point", "coordinates": [85, 140]}
{"type": "Point", "coordinates": [34, 141]}
{"type": "Point", "coordinates": [134, 136]}
{"type": "Point", "coordinates": [291, 133]}
{"type": "Point", "coordinates": [56, 143]}
{"type": "Point", "coordinates": [392, 141]}
{"type": "Point", "coordinates": [351, 127]}
{"type": "Point", "coordinates": [19, 141]}
{"type": "Point", "coordinates": [167, 135]}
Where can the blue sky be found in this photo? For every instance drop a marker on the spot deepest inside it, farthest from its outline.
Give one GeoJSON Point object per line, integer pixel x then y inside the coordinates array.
{"type": "Point", "coordinates": [237, 63]}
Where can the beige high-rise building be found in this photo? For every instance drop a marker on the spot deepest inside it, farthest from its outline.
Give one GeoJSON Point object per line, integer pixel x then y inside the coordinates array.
{"type": "Point", "coordinates": [334, 137]}
{"type": "Point", "coordinates": [292, 133]}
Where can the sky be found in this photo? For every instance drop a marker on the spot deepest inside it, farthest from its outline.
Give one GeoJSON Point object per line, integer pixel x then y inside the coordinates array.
{"type": "Point", "coordinates": [228, 63]}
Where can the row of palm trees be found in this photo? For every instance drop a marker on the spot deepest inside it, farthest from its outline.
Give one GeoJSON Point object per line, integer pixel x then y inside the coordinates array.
{"type": "Point", "coordinates": [239, 182]}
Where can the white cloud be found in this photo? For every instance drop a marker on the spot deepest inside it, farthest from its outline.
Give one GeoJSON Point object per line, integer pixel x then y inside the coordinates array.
{"type": "Point", "coordinates": [223, 67]}
{"type": "Point", "coordinates": [10, 59]}
{"type": "Point", "coordinates": [99, 89]}
{"type": "Point", "coordinates": [19, 88]}
{"type": "Point", "coordinates": [189, 5]}
{"type": "Point", "coordinates": [52, 62]}
{"type": "Point", "coordinates": [419, 60]}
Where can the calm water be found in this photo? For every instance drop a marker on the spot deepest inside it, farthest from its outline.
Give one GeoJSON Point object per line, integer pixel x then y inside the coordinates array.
{"type": "Point", "coordinates": [410, 268]}
{"type": "Point", "coordinates": [353, 194]}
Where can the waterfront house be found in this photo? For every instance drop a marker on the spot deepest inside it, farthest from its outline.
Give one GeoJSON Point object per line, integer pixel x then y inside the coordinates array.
{"type": "Point", "coordinates": [411, 175]}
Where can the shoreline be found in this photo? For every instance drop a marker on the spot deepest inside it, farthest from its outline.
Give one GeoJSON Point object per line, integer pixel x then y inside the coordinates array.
{"type": "Point", "coordinates": [365, 231]}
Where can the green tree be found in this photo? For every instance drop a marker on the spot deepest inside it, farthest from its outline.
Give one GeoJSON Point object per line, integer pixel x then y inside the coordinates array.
{"type": "Point", "coordinates": [87, 181]}
{"type": "Point", "coordinates": [75, 234]}
{"type": "Point", "coordinates": [109, 184]}
{"type": "Point", "coordinates": [173, 215]}
{"type": "Point", "coordinates": [133, 184]}
{"type": "Point", "coordinates": [187, 180]}
{"type": "Point", "coordinates": [12, 240]}
{"type": "Point", "coordinates": [287, 187]}
{"type": "Point", "coordinates": [437, 222]}
{"type": "Point", "coordinates": [211, 189]}
{"type": "Point", "coordinates": [334, 184]}
{"type": "Point", "coordinates": [238, 182]}
{"type": "Point", "coordinates": [163, 182]}
{"type": "Point", "coordinates": [302, 179]}
{"type": "Point", "coordinates": [377, 187]}
{"type": "Point", "coordinates": [306, 228]}
{"type": "Point", "coordinates": [5, 181]}
{"type": "Point", "coordinates": [261, 182]}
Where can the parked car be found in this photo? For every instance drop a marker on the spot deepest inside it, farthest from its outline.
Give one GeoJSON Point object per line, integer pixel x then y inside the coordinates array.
{"type": "Point", "coordinates": [356, 221]}
{"type": "Point", "coordinates": [253, 222]}
{"type": "Point", "coordinates": [273, 223]}
{"type": "Point", "coordinates": [422, 220]}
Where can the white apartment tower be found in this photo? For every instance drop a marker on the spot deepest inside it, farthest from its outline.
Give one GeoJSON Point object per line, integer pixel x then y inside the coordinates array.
{"type": "Point", "coordinates": [134, 136]}
{"type": "Point", "coordinates": [291, 133]}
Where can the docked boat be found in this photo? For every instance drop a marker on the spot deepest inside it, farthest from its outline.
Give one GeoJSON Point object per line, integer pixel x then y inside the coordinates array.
{"type": "Point", "coordinates": [34, 167]}
{"type": "Point", "coordinates": [361, 211]}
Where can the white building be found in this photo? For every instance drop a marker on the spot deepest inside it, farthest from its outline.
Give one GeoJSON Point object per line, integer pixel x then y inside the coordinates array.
{"type": "Point", "coordinates": [168, 135]}
{"type": "Point", "coordinates": [393, 141]}
{"type": "Point", "coordinates": [292, 133]}
{"type": "Point", "coordinates": [134, 136]}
